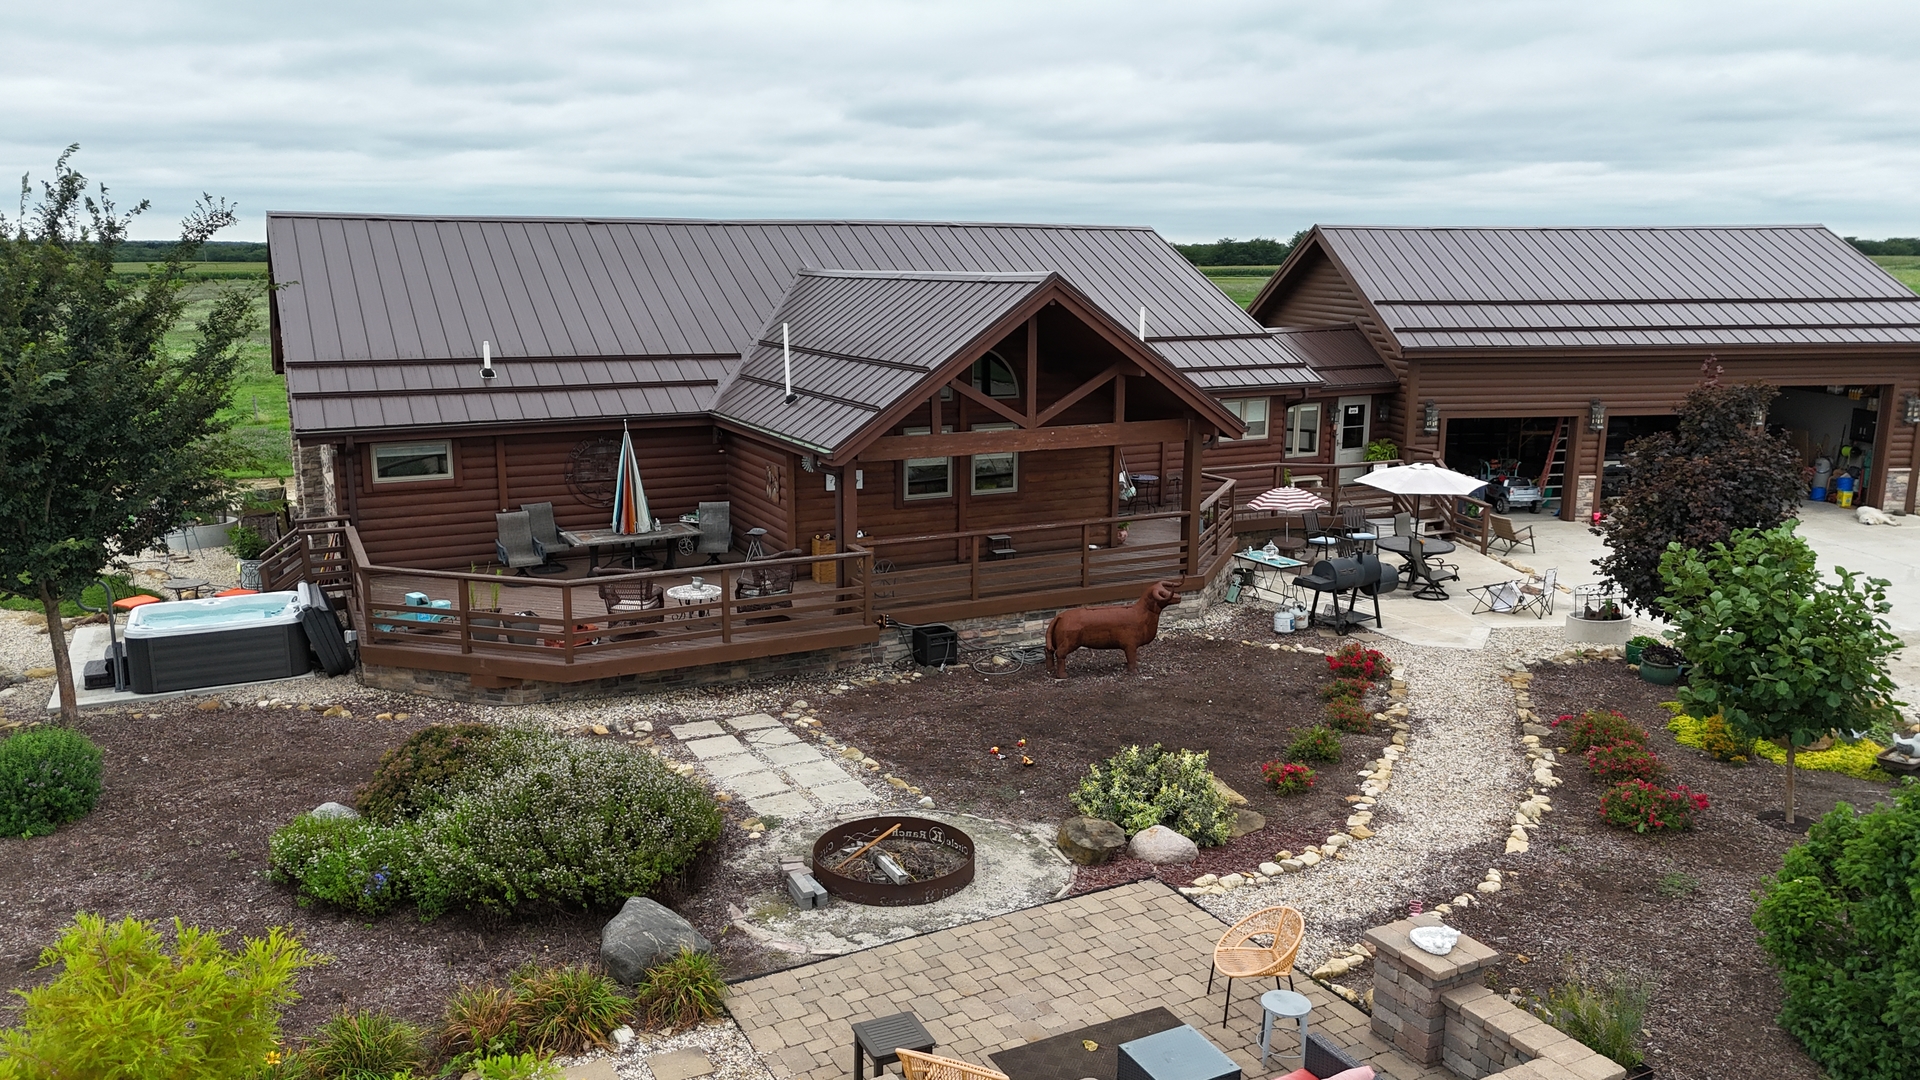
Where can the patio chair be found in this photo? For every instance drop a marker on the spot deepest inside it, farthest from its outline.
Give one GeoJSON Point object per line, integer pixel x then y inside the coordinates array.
{"type": "Point", "coordinates": [1321, 539]}
{"type": "Point", "coordinates": [758, 581]}
{"type": "Point", "coordinates": [1325, 1059]}
{"type": "Point", "coordinates": [1504, 532]}
{"type": "Point", "coordinates": [716, 530]}
{"type": "Point", "coordinates": [1403, 524]}
{"type": "Point", "coordinates": [631, 600]}
{"type": "Point", "coordinates": [1240, 956]}
{"type": "Point", "coordinates": [1537, 596]}
{"type": "Point", "coordinates": [1428, 573]}
{"type": "Point", "coordinates": [917, 1066]}
{"type": "Point", "coordinates": [1516, 596]}
{"type": "Point", "coordinates": [515, 546]}
{"type": "Point", "coordinates": [547, 535]}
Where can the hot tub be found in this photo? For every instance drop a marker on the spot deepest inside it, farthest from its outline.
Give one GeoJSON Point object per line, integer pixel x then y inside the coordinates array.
{"type": "Point", "coordinates": [189, 644]}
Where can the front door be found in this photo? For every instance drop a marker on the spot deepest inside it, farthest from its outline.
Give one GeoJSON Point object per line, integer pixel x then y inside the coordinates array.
{"type": "Point", "coordinates": [1350, 434]}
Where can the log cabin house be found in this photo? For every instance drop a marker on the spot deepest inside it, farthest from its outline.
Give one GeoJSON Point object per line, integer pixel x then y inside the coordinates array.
{"type": "Point", "coordinates": [1556, 346]}
{"type": "Point", "coordinates": [947, 446]}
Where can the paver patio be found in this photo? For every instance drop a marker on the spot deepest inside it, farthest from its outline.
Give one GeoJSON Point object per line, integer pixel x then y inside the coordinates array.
{"type": "Point", "coordinates": [1030, 974]}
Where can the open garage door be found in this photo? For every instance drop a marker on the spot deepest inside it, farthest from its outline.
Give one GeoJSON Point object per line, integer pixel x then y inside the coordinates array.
{"type": "Point", "coordinates": [1837, 425]}
{"type": "Point", "coordinates": [1529, 450]}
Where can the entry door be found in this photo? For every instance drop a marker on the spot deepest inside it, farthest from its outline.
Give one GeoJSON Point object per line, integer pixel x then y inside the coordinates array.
{"type": "Point", "coordinates": [1352, 421]}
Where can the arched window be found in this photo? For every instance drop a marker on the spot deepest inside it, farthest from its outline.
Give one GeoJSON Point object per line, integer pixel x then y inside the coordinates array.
{"type": "Point", "coordinates": [993, 376]}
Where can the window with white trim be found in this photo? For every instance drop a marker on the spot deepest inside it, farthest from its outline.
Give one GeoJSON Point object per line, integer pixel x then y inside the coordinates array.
{"type": "Point", "coordinates": [396, 463]}
{"type": "Point", "coordinates": [994, 474]}
{"type": "Point", "coordinates": [1303, 430]}
{"type": "Point", "coordinates": [928, 477]}
{"type": "Point", "coordinates": [1252, 412]}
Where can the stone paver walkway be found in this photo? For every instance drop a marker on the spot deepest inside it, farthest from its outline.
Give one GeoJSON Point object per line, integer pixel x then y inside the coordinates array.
{"type": "Point", "coordinates": [1024, 976]}
{"type": "Point", "coordinates": [758, 759]}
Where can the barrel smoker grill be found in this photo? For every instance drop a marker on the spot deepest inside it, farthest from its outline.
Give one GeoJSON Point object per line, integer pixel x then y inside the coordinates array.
{"type": "Point", "coordinates": [834, 845]}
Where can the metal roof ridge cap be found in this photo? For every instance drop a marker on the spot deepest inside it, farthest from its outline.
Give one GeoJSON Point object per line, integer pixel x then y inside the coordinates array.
{"type": "Point", "coordinates": [1572, 228]}
{"type": "Point", "coordinates": [1009, 276]}
{"type": "Point", "coordinates": [606, 220]}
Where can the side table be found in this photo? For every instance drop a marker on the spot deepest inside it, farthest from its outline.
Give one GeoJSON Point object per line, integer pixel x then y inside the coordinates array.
{"type": "Point", "coordinates": [880, 1037]}
{"type": "Point", "coordinates": [1175, 1054]}
{"type": "Point", "coordinates": [1286, 1005]}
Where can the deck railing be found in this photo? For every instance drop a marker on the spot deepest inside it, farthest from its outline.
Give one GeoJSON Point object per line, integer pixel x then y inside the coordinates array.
{"type": "Point", "coordinates": [314, 550]}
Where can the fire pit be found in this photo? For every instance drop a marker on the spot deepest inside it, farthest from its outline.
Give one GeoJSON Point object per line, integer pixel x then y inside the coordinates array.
{"type": "Point", "coordinates": [893, 860]}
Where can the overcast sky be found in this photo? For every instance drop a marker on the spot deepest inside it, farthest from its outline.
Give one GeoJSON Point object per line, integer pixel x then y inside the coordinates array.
{"type": "Point", "coordinates": [1201, 119]}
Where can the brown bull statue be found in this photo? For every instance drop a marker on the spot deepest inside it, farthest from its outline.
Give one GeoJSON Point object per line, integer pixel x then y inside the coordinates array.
{"type": "Point", "coordinates": [1124, 628]}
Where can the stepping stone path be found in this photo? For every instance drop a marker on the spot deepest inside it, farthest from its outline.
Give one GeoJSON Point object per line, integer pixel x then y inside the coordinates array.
{"type": "Point", "coordinates": [757, 759]}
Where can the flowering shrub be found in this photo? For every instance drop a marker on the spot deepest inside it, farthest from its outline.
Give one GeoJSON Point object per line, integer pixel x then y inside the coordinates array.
{"type": "Point", "coordinates": [1645, 807]}
{"type": "Point", "coordinates": [1347, 714]}
{"type": "Point", "coordinates": [1287, 777]}
{"type": "Point", "coordinates": [349, 863]}
{"type": "Point", "coordinates": [1624, 761]}
{"type": "Point", "coordinates": [1600, 727]}
{"type": "Point", "coordinates": [1356, 660]}
{"type": "Point", "coordinates": [48, 777]}
{"type": "Point", "coordinates": [1139, 788]}
{"type": "Point", "coordinates": [1336, 689]}
{"type": "Point", "coordinates": [410, 775]}
{"type": "Point", "coordinates": [1712, 735]}
{"type": "Point", "coordinates": [1315, 744]}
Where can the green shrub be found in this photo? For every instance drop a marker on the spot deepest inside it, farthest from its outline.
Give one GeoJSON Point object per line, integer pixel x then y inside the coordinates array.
{"type": "Point", "coordinates": [122, 996]}
{"type": "Point", "coordinates": [1335, 689]}
{"type": "Point", "coordinates": [1840, 921]}
{"type": "Point", "coordinates": [1605, 1017]}
{"type": "Point", "coordinates": [1624, 761]}
{"type": "Point", "coordinates": [682, 992]}
{"type": "Point", "coordinates": [410, 776]}
{"type": "Point", "coordinates": [1644, 807]}
{"type": "Point", "coordinates": [361, 1046]}
{"type": "Point", "coordinates": [48, 777]}
{"type": "Point", "coordinates": [246, 542]}
{"type": "Point", "coordinates": [350, 863]}
{"type": "Point", "coordinates": [1714, 736]}
{"type": "Point", "coordinates": [527, 1066]}
{"type": "Point", "coordinates": [1138, 788]}
{"type": "Point", "coordinates": [1315, 744]}
{"type": "Point", "coordinates": [1346, 714]}
{"type": "Point", "coordinates": [1599, 727]}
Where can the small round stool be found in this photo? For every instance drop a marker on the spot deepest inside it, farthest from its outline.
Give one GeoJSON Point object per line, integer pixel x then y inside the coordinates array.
{"type": "Point", "coordinates": [1288, 1006]}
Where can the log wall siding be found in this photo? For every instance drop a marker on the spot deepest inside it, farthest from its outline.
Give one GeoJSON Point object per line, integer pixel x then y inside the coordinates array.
{"type": "Point", "coordinates": [1497, 386]}
{"type": "Point", "coordinates": [748, 465]}
{"type": "Point", "coordinates": [1322, 296]}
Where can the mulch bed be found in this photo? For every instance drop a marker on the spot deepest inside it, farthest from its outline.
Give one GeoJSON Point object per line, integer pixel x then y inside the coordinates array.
{"type": "Point", "coordinates": [1587, 895]}
{"type": "Point", "coordinates": [181, 830]}
{"type": "Point", "coordinates": [1241, 704]}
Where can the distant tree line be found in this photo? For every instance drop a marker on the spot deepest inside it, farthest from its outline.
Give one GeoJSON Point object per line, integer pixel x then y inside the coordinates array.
{"type": "Point", "coordinates": [1892, 245]}
{"type": "Point", "coordinates": [211, 251]}
{"type": "Point", "coordinates": [1259, 251]}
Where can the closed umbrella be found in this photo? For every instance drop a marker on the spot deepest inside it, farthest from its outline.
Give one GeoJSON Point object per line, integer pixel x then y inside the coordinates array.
{"type": "Point", "coordinates": [630, 512]}
{"type": "Point", "coordinates": [1419, 479]}
{"type": "Point", "coordinates": [1287, 500]}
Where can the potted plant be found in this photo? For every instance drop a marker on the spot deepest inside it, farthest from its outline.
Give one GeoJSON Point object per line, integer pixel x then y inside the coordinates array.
{"type": "Point", "coordinates": [1637, 644]}
{"type": "Point", "coordinates": [1599, 617]}
{"type": "Point", "coordinates": [492, 606]}
{"type": "Point", "coordinates": [1382, 450]}
{"type": "Point", "coordinates": [1120, 533]}
{"type": "Point", "coordinates": [1660, 664]}
{"type": "Point", "coordinates": [247, 545]}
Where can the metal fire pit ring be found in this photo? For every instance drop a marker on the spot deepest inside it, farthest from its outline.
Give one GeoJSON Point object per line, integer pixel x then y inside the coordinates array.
{"type": "Point", "coordinates": [887, 894]}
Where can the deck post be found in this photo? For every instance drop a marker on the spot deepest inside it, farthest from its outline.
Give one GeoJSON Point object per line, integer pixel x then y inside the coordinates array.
{"type": "Point", "coordinates": [973, 567]}
{"type": "Point", "coordinates": [866, 587]}
{"type": "Point", "coordinates": [726, 608]}
{"type": "Point", "coordinates": [566, 618]}
{"type": "Point", "coordinates": [1192, 492]}
{"type": "Point", "coordinates": [466, 616]}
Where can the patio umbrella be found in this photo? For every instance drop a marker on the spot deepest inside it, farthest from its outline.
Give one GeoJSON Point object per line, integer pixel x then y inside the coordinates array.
{"type": "Point", "coordinates": [630, 512]}
{"type": "Point", "coordinates": [1419, 479]}
{"type": "Point", "coordinates": [1287, 500]}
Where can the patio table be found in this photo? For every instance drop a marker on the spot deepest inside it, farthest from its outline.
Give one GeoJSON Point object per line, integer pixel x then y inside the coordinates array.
{"type": "Point", "coordinates": [1266, 569]}
{"type": "Point", "coordinates": [880, 1037]}
{"type": "Point", "coordinates": [1403, 545]}
{"type": "Point", "coordinates": [697, 595]}
{"type": "Point", "coordinates": [1177, 1054]}
{"type": "Point", "coordinates": [594, 539]}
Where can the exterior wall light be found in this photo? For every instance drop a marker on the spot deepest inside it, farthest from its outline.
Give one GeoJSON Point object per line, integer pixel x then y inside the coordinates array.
{"type": "Point", "coordinates": [1596, 415]}
{"type": "Point", "coordinates": [1430, 421]}
{"type": "Point", "coordinates": [1911, 409]}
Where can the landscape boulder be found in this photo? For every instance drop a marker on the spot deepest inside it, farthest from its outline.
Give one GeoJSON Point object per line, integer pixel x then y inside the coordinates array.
{"type": "Point", "coordinates": [645, 935]}
{"type": "Point", "coordinates": [1246, 821]}
{"type": "Point", "coordinates": [334, 810]}
{"type": "Point", "coordinates": [1090, 841]}
{"type": "Point", "coordinates": [1160, 844]}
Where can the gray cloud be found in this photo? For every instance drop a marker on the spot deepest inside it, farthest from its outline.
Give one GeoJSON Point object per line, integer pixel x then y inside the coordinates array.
{"type": "Point", "coordinates": [1202, 119]}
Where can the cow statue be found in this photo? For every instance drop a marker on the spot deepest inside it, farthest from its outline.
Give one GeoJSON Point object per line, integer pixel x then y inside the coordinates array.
{"type": "Point", "coordinates": [1124, 628]}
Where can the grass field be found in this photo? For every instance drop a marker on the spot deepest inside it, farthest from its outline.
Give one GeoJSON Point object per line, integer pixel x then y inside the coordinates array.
{"type": "Point", "coordinates": [204, 271]}
{"type": "Point", "coordinates": [259, 403]}
{"type": "Point", "coordinates": [1242, 283]}
{"type": "Point", "coordinates": [1904, 267]}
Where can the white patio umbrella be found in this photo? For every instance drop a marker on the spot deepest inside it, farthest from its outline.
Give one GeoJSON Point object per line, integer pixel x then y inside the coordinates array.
{"type": "Point", "coordinates": [630, 511]}
{"type": "Point", "coordinates": [1419, 479]}
{"type": "Point", "coordinates": [1287, 500]}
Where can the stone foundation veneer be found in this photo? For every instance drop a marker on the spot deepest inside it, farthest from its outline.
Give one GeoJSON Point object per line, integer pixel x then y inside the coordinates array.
{"type": "Point", "coordinates": [1437, 1010]}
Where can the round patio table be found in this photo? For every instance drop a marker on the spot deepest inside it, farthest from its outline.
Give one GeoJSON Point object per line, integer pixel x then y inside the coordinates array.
{"type": "Point", "coordinates": [693, 596]}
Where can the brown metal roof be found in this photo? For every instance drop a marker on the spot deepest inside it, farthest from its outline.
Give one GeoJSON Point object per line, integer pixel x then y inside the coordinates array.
{"type": "Point", "coordinates": [1341, 356]}
{"type": "Point", "coordinates": [365, 292]}
{"type": "Point", "coordinates": [1238, 363]}
{"type": "Point", "coordinates": [1476, 288]}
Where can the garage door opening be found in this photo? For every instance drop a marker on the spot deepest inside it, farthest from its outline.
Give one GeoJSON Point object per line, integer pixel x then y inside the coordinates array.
{"type": "Point", "coordinates": [1622, 431]}
{"type": "Point", "coordinates": [1836, 423]}
{"type": "Point", "coordinates": [1531, 448]}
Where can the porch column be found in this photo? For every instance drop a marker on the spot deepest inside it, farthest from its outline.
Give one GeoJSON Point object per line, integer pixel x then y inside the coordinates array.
{"type": "Point", "coordinates": [1192, 490]}
{"type": "Point", "coordinates": [849, 514]}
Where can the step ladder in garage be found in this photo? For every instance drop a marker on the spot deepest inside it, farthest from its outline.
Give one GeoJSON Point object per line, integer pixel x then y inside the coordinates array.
{"type": "Point", "coordinates": [1554, 476]}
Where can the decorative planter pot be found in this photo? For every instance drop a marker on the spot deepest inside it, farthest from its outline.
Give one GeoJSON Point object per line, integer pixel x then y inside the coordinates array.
{"type": "Point", "coordinates": [1660, 674]}
{"type": "Point", "coordinates": [250, 573]}
{"type": "Point", "coordinates": [1633, 652]}
{"type": "Point", "coordinates": [1605, 632]}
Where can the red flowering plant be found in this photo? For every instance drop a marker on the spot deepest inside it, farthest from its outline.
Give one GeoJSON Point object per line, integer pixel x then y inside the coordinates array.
{"type": "Point", "coordinates": [1356, 660]}
{"type": "Point", "coordinates": [1345, 688]}
{"type": "Point", "coordinates": [1287, 777]}
{"type": "Point", "coordinates": [1346, 714]}
{"type": "Point", "coordinates": [1624, 761]}
{"type": "Point", "coordinates": [1603, 727]}
{"type": "Point", "coordinates": [1644, 807]}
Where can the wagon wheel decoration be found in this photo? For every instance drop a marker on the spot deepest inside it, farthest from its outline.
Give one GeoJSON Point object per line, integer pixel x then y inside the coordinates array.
{"type": "Point", "coordinates": [591, 469]}
{"type": "Point", "coordinates": [773, 484]}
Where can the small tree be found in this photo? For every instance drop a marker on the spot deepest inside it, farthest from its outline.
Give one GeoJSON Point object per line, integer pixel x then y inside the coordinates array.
{"type": "Point", "coordinates": [1779, 652]}
{"type": "Point", "coordinates": [108, 437]}
{"type": "Point", "coordinates": [1716, 472]}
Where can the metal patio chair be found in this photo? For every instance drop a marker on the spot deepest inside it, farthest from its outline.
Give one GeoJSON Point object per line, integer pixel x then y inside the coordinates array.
{"type": "Point", "coordinates": [1321, 539]}
{"type": "Point", "coordinates": [1504, 532]}
{"type": "Point", "coordinates": [514, 545]}
{"type": "Point", "coordinates": [716, 530]}
{"type": "Point", "coordinates": [1428, 573]}
{"type": "Point", "coordinates": [547, 535]}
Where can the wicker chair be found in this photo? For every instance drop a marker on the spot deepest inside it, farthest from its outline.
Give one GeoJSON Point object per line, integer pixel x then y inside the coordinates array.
{"type": "Point", "coordinates": [1240, 956]}
{"type": "Point", "coordinates": [630, 603]}
{"type": "Point", "coordinates": [918, 1066]}
{"type": "Point", "coordinates": [757, 581]}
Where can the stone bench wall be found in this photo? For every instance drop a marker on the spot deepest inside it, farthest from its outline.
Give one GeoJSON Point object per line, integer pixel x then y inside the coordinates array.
{"type": "Point", "coordinates": [1437, 1010]}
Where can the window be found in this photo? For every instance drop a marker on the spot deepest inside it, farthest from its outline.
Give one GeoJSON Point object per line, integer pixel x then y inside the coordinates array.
{"type": "Point", "coordinates": [1252, 412]}
{"type": "Point", "coordinates": [402, 462]}
{"type": "Point", "coordinates": [1303, 430]}
{"type": "Point", "coordinates": [931, 477]}
{"type": "Point", "coordinates": [993, 376]}
{"type": "Point", "coordinates": [995, 473]}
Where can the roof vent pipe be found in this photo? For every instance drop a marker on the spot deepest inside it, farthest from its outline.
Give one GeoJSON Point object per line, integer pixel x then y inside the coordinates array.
{"type": "Point", "coordinates": [786, 360]}
{"type": "Point", "coordinates": [486, 360]}
{"type": "Point", "coordinates": [1143, 322]}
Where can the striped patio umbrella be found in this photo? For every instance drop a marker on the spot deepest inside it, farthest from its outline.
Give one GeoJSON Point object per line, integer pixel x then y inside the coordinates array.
{"type": "Point", "coordinates": [630, 512]}
{"type": "Point", "coordinates": [1287, 500]}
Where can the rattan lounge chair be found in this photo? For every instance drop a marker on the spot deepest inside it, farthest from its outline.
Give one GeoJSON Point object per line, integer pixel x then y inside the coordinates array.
{"type": "Point", "coordinates": [757, 580]}
{"type": "Point", "coordinates": [1240, 955]}
{"type": "Point", "coordinates": [917, 1066]}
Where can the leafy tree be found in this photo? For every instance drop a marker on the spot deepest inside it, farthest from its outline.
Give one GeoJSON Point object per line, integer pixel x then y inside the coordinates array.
{"type": "Point", "coordinates": [1778, 651]}
{"type": "Point", "coordinates": [1717, 471]}
{"type": "Point", "coordinates": [1841, 921]}
{"type": "Point", "coordinates": [108, 437]}
{"type": "Point", "coordinates": [1259, 251]}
